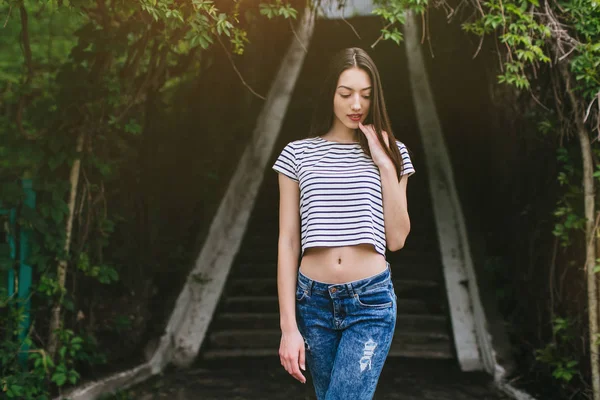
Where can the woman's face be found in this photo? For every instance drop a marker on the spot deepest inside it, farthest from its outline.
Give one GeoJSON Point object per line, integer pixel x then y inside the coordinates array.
{"type": "Point", "coordinates": [352, 97]}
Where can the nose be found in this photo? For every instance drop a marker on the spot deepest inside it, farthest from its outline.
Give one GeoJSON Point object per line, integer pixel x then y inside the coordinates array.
{"type": "Point", "coordinates": [356, 103]}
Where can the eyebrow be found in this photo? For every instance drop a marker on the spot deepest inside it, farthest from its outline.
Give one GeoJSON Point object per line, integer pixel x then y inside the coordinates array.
{"type": "Point", "coordinates": [346, 87]}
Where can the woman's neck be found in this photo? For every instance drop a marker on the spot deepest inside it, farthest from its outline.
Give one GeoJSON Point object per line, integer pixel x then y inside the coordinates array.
{"type": "Point", "coordinates": [341, 133]}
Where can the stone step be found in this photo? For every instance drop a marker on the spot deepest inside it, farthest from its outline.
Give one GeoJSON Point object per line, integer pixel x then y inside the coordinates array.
{"type": "Point", "coordinates": [267, 220]}
{"type": "Point", "coordinates": [268, 209]}
{"type": "Point", "coordinates": [253, 269]}
{"type": "Point", "coordinates": [259, 249]}
{"type": "Point", "coordinates": [404, 322]}
{"type": "Point", "coordinates": [261, 252]}
{"type": "Point", "coordinates": [270, 338]}
{"type": "Point", "coordinates": [266, 234]}
{"type": "Point", "coordinates": [440, 350]}
{"type": "Point", "coordinates": [268, 287]}
{"type": "Point", "coordinates": [401, 268]}
{"type": "Point", "coordinates": [269, 304]}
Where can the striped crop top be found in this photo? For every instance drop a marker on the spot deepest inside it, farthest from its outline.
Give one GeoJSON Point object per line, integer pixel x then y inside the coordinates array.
{"type": "Point", "coordinates": [340, 192]}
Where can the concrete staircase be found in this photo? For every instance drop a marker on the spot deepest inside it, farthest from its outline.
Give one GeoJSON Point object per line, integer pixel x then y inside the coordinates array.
{"type": "Point", "coordinates": [247, 321]}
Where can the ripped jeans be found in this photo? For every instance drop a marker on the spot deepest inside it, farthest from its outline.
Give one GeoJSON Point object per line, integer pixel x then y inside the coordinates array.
{"type": "Point", "coordinates": [347, 329]}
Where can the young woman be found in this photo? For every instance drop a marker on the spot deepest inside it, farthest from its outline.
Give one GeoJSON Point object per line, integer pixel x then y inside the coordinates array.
{"type": "Point", "coordinates": [342, 202]}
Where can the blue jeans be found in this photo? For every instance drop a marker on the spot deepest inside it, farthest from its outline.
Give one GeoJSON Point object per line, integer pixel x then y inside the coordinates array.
{"type": "Point", "coordinates": [347, 329]}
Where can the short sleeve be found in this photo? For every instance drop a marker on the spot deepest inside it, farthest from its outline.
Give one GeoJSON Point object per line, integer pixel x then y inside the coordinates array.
{"type": "Point", "coordinates": [286, 163]}
{"type": "Point", "coordinates": [407, 168]}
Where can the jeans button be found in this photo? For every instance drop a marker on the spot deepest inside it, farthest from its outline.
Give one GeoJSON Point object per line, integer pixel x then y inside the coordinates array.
{"type": "Point", "coordinates": [333, 290]}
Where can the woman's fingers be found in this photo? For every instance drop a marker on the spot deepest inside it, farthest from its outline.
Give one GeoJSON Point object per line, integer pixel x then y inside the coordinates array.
{"type": "Point", "coordinates": [369, 131]}
{"type": "Point", "coordinates": [298, 363]}
{"type": "Point", "coordinates": [301, 359]}
{"type": "Point", "coordinates": [296, 373]}
{"type": "Point", "coordinates": [292, 367]}
{"type": "Point", "coordinates": [386, 138]}
{"type": "Point", "coordinates": [283, 357]}
{"type": "Point", "coordinates": [290, 355]}
{"type": "Point", "coordinates": [292, 360]}
{"type": "Point", "coordinates": [364, 129]}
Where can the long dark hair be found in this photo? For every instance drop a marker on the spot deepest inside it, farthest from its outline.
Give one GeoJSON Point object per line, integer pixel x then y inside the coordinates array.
{"type": "Point", "coordinates": [323, 115]}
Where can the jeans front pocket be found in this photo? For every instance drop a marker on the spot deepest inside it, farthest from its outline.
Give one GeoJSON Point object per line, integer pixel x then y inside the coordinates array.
{"type": "Point", "coordinates": [376, 298]}
{"type": "Point", "coordinates": [301, 294]}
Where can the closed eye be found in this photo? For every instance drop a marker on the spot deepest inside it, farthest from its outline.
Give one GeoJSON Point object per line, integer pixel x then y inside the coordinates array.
{"type": "Point", "coordinates": [347, 95]}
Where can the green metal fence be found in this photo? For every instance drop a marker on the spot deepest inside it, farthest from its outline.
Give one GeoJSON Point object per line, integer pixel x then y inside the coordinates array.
{"type": "Point", "coordinates": [16, 274]}
{"type": "Point", "coordinates": [7, 248]}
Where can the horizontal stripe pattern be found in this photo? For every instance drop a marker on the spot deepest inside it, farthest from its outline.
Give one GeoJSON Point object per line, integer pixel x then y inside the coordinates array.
{"type": "Point", "coordinates": [340, 192]}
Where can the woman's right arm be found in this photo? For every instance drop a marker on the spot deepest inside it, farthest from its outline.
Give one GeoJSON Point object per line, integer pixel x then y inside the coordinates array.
{"type": "Point", "coordinates": [291, 349]}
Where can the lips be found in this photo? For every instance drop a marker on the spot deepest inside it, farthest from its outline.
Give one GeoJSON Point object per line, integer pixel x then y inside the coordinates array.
{"type": "Point", "coordinates": [355, 117]}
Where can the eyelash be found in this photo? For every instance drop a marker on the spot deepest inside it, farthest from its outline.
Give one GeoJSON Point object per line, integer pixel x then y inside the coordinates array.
{"type": "Point", "coordinates": [347, 95]}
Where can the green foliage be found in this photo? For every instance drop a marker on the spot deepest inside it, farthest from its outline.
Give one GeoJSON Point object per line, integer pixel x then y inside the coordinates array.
{"type": "Point", "coordinates": [104, 274]}
{"type": "Point", "coordinates": [569, 209]}
{"type": "Point", "coordinates": [586, 69]}
{"type": "Point", "coordinates": [394, 13]}
{"type": "Point", "coordinates": [523, 35]}
{"type": "Point", "coordinates": [278, 9]}
{"type": "Point", "coordinates": [33, 379]}
{"type": "Point", "coordinates": [97, 71]}
{"type": "Point", "coordinates": [557, 354]}
{"type": "Point", "coordinates": [52, 40]}
{"type": "Point", "coordinates": [529, 37]}
{"type": "Point", "coordinates": [533, 34]}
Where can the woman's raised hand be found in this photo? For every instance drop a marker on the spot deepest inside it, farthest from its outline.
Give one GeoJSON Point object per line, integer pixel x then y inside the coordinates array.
{"type": "Point", "coordinates": [378, 154]}
{"type": "Point", "coordinates": [291, 354]}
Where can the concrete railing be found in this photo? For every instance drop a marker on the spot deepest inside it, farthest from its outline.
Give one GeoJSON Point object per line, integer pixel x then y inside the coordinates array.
{"type": "Point", "coordinates": [472, 339]}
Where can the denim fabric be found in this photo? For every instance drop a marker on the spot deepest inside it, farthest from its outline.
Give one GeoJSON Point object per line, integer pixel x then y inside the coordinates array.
{"type": "Point", "coordinates": [347, 329]}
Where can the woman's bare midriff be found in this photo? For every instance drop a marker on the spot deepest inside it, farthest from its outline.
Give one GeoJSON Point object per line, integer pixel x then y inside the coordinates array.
{"type": "Point", "coordinates": [341, 264]}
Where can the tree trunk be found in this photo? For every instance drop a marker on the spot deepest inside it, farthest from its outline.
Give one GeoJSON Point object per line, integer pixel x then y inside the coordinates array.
{"type": "Point", "coordinates": [55, 321]}
{"type": "Point", "coordinates": [590, 248]}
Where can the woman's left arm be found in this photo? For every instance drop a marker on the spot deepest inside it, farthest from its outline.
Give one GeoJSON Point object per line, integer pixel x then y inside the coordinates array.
{"type": "Point", "coordinates": [395, 210]}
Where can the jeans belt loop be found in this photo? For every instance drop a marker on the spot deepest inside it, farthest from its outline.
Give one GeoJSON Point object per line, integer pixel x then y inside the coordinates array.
{"type": "Point", "coordinates": [350, 289]}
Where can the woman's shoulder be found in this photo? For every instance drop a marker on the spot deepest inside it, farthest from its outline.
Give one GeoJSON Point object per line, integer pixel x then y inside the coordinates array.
{"type": "Point", "coordinates": [301, 144]}
{"type": "Point", "coordinates": [401, 146]}
{"type": "Point", "coordinates": [306, 140]}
